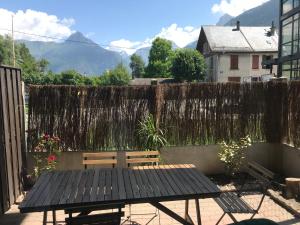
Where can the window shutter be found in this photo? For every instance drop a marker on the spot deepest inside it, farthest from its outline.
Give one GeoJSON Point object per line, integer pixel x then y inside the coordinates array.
{"type": "Point", "coordinates": [234, 62]}
{"type": "Point", "coordinates": [255, 62]}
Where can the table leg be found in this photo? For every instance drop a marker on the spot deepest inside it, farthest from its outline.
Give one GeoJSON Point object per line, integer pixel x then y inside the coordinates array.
{"type": "Point", "coordinates": [198, 211]}
{"type": "Point", "coordinates": [45, 218]}
{"type": "Point", "coordinates": [54, 217]}
{"type": "Point", "coordinates": [186, 209]}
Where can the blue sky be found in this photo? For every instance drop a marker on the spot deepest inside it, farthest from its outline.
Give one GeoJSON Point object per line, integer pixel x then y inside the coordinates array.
{"type": "Point", "coordinates": [128, 23]}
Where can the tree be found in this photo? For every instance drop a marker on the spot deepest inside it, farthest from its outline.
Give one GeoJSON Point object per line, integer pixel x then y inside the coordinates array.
{"type": "Point", "coordinates": [188, 65]}
{"type": "Point", "coordinates": [137, 66]}
{"type": "Point", "coordinates": [117, 76]}
{"type": "Point", "coordinates": [160, 57]}
{"type": "Point", "coordinates": [71, 77]}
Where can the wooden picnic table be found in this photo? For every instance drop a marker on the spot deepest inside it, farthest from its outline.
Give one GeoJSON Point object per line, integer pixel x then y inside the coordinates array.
{"type": "Point", "coordinates": [60, 190]}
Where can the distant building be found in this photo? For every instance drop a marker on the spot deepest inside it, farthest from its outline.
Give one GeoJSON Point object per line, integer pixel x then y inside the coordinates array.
{"type": "Point", "coordinates": [236, 53]}
{"type": "Point", "coordinates": [289, 36]}
{"type": "Point", "coordinates": [150, 81]}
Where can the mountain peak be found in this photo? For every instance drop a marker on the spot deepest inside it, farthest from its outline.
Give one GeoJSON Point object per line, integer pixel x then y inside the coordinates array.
{"type": "Point", "coordinates": [224, 19]}
{"type": "Point", "coordinates": [79, 37]}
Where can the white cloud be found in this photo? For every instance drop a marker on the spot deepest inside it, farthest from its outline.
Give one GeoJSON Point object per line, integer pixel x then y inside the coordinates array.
{"type": "Point", "coordinates": [235, 7]}
{"type": "Point", "coordinates": [181, 36]}
{"type": "Point", "coordinates": [35, 22]}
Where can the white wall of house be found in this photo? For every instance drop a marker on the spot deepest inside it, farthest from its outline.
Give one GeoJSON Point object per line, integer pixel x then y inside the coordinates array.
{"type": "Point", "coordinates": [219, 67]}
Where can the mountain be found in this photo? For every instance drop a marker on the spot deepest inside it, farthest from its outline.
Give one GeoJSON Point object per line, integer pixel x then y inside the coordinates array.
{"type": "Point", "coordinates": [192, 45]}
{"type": "Point", "coordinates": [262, 15]}
{"type": "Point", "coordinates": [224, 19]}
{"type": "Point", "coordinates": [78, 53]}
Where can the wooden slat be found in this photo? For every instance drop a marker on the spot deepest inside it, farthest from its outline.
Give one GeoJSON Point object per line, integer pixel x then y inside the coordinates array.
{"type": "Point", "coordinates": [4, 204]}
{"type": "Point", "coordinates": [5, 111]}
{"type": "Point", "coordinates": [262, 170]}
{"type": "Point", "coordinates": [17, 127]}
{"type": "Point", "coordinates": [108, 185]}
{"type": "Point", "coordinates": [88, 186]}
{"type": "Point", "coordinates": [143, 153]}
{"type": "Point", "coordinates": [142, 160]}
{"type": "Point", "coordinates": [12, 125]}
{"type": "Point", "coordinates": [100, 154]}
{"type": "Point", "coordinates": [99, 161]}
{"type": "Point", "coordinates": [95, 185]}
{"type": "Point", "coordinates": [128, 186]}
{"type": "Point", "coordinates": [101, 186]}
{"type": "Point", "coordinates": [21, 115]}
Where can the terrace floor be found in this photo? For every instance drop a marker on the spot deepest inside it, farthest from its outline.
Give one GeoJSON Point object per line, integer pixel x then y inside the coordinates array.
{"type": "Point", "coordinates": [210, 213]}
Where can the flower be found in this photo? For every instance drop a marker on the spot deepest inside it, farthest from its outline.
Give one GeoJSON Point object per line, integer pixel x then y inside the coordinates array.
{"type": "Point", "coordinates": [51, 158]}
{"type": "Point", "coordinates": [46, 137]}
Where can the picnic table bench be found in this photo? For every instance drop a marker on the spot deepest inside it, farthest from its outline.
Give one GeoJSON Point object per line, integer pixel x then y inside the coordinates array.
{"type": "Point", "coordinates": [61, 190]}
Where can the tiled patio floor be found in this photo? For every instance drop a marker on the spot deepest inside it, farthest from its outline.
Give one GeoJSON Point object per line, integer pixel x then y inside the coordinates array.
{"type": "Point", "coordinates": [210, 213]}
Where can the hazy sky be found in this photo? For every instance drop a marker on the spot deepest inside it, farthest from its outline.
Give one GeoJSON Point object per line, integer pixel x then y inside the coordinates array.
{"type": "Point", "coordinates": [117, 24]}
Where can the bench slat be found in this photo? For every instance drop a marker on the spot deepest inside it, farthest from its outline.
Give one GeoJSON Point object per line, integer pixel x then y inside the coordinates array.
{"type": "Point", "coordinates": [144, 153]}
{"type": "Point", "coordinates": [99, 161]}
{"type": "Point", "coordinates": [100, 154]}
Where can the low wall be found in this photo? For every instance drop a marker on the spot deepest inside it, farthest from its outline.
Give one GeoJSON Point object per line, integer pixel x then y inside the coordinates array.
{"type": "Point", "coordinates": [291, 161]}
{"type": "Point", "coordinates": [205, 158]}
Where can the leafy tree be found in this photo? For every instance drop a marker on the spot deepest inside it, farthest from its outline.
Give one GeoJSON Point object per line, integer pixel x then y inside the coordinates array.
{"type": "Point", "coordinates": [160, 57]}
{"type": "Point", "coordinates": [117, 76]}
{"type": "Point", "coordinates": [188, 65]}
{"type": "Point", "coordinates": [71, 77]}
{"type": "Point", "coordinates": [137, 66]}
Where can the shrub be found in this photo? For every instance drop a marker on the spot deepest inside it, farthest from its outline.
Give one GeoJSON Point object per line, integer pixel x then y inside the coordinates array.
{"type": "Point", "coordinates": [149, 135]}
{"type": "Point", "coordinates": [233, 154]}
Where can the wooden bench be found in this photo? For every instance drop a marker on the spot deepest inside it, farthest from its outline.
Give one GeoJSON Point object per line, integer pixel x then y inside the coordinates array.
{"type": "Point", "coordinates": [106, 218]}
{"type": "Point", "coordinates": [142, 157]}
{"type": "Point", "coordinates": [231, 202]}
{"type": "Point", "coordinates": [100, 158]}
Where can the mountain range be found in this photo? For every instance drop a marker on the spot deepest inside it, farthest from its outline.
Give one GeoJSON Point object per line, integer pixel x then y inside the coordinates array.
{"type": "Point", "coordinates": [82, 54]}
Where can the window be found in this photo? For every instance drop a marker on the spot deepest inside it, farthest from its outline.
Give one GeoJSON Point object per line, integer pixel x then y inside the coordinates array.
{"type": "Point", "coordinates": [288, 5]}
{"type": "Point", "coordinates": [234, 79]}
{"type": "Point", "coordinates": [255, 62]}
{"type": "Point", "coordinates": [234, 62]}
{"type": "Point", "coordinates": [267, 58]}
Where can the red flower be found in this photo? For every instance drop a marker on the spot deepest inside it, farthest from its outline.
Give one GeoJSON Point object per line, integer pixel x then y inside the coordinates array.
{"type": "Point", "coordinates": [46, 137]}
{"type": "Point", "coordinates": [51, 158]}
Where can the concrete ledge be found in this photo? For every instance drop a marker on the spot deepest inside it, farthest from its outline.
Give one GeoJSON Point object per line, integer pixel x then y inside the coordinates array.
{"type": "Point", "coordinates": [205, 158]}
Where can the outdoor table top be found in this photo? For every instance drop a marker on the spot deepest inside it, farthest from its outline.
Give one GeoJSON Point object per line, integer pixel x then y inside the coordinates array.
{"type": "Point", "coordinates": [145, 184]}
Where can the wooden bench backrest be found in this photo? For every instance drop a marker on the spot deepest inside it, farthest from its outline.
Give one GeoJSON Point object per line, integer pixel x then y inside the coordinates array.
{"type": "Point", "coordinates": [260, 173]}
{"type": "Point", "coordinates": [141, 157]}
{"type": "Point", "coordinates": [100, 158]}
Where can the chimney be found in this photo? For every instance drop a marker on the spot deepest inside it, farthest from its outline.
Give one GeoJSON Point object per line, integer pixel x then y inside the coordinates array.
{"type": "Point", "coordinates": [273, 29]}
{"type": "Point", "coordinates": [238, 26]}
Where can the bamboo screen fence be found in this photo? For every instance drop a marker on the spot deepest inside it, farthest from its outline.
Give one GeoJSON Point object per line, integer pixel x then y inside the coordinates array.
{"type": "Point", "coordinates": [101, 118]}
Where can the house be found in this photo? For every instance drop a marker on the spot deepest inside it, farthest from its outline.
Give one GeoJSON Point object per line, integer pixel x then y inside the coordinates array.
{"type": "Point", "coordinates": [237, 53]}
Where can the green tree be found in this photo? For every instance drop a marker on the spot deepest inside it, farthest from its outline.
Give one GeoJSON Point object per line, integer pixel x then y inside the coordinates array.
{"type": "Point", "coordinates": [117, 76]}
{"type": "Point", "coordinates": [71, 77]}
{"type": "Point", "coordinates": [137, 66]}
{"type": "Point", "coordinates": [188, 65]}
{"type": "Point", "coordinates": [160, 58]}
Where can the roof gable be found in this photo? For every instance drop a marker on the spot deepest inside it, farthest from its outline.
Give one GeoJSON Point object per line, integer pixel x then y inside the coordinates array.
{"type": "Point", "coordinates": [247, 39]}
